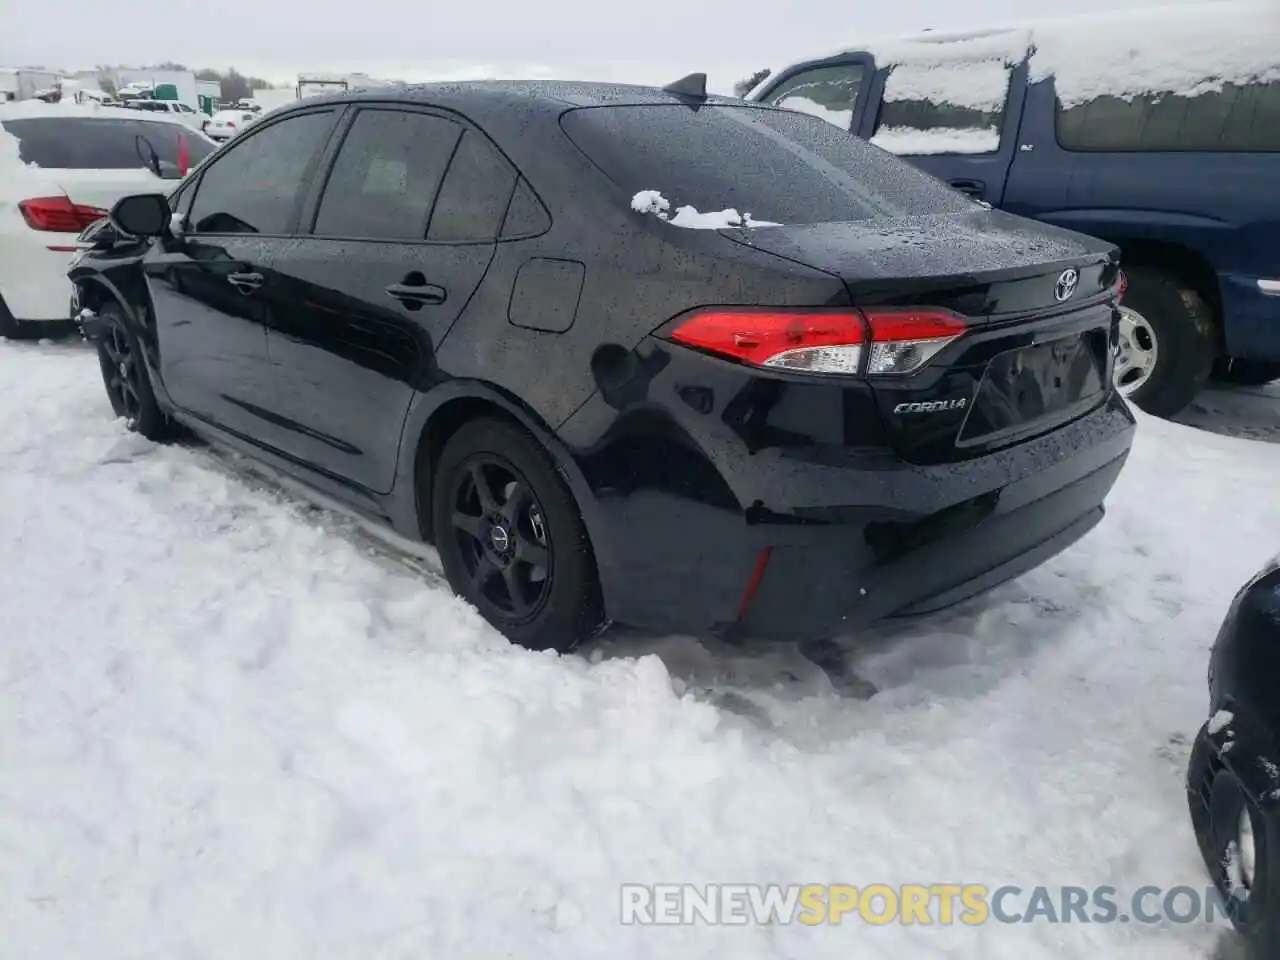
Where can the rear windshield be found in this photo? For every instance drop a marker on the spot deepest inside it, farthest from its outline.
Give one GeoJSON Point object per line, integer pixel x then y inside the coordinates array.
{"type": "Point", "coordinates": [101, 143]}
{"type": "Point", "coordinates": [777, 165]}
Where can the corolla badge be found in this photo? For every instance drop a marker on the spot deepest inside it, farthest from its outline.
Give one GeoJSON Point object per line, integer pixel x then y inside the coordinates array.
{"type": "Point", "coordinates": [934, 406]}
{"type": "Point", "coordinates": [1068, 280]}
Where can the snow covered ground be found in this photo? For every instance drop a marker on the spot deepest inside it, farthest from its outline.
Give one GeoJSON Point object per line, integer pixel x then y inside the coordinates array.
{"type": "Point", "coordinates": [230, 727]}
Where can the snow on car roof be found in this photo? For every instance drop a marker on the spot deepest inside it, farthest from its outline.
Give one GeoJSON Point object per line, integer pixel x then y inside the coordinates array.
{"type": "Point", "coordinates": [1184, 48]}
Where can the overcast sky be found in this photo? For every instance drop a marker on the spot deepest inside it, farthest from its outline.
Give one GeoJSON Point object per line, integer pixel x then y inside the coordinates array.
{"type": "Point", "coordinates": [426, 39]}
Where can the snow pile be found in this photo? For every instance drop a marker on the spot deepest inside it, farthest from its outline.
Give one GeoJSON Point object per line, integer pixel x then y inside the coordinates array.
{"type": "Point", "coordinates": [977, 84]}
{"type": "Point", "coordinates": [1186, 49]}
{"type": "Point", "coordinates": [233, 729]}
{"type": "Point", "coordinates": [1183, 50]}
{"type": "Point", "coordinates": [653, 202]}
{"type": "Point", "coordinates": [801, 104]}
{"type": "Point", "coordinates": [907, 142]}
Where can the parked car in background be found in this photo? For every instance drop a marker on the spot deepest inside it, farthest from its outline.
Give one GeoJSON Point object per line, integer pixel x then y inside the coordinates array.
{"type": "Point", "coordinates": [225, 124]}
{"type": "Point", "coordinates": [1158, 130]}
{"type": "Point", "coordinates": [1233, 779]}
{"type": "Point", "coordinates": [492, 317]}
{"type": "Point", "coordinates": [62, 166]}
{"type": "Point", "coordinates": [175, 110]}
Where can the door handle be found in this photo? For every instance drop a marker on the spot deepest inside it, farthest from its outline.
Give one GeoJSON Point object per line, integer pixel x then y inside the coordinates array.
{"type": "Point", "coordinates": [245, 282]}
{"type": "Point", "coordinates": [975, 188]}
{"type": "Point", "coordinates": [416, 294]}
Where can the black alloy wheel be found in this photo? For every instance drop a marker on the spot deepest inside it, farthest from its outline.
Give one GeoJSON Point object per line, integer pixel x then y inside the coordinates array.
{"type": "Point", "coordinates": [124, 374]}
{"type": "Point", "coordinates": [502, 537]}
{"type": "Point", "coordinates": [120, 373]}
{"type": "Point", "coordinates": [511, 537]}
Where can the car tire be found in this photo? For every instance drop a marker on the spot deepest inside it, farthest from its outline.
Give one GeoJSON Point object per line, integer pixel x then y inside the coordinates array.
{"type": "Point", "coordinates": [1245, 373]}
{"type": "Point", "coordinates": [1167, 334]}
{"type": "Point", "coordinates": [511, 538]}
{"type": "Point", "coordinates": [127, 382]}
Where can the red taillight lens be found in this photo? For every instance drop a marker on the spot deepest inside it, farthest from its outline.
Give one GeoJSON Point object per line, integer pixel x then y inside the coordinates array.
{"type": "Point", "coordinates": [815, 341]}
{"type": "Point", "coordinates": [184, 155]}
{"type": "Point", "coordinates": [1122, 285]}
{"type": "Point", "coordinates": [904, 339]}
{"type": "Point", "coordinates": [893, 340]}
{"type": "Point", "coordinates": [58, 214]}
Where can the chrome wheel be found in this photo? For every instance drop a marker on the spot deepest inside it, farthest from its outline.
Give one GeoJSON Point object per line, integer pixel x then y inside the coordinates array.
{"type": "Point", "coordinates": [1138, 351]}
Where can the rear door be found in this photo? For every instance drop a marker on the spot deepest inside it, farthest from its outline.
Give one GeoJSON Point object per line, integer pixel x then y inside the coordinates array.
{"type": "Point", "coordinates": [954, 118]}
{"type": "Point", "coordinates": [400, 236]}
{"type": "Point", "coordinates": [206, 286]}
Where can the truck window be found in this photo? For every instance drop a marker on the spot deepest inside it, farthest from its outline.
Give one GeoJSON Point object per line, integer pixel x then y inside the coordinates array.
{"type": "Point", "coordinates": [1238, 118]}
{"type": "Point", "coordinates": [828, 93]}
{"type": "Point", "coordinates": [944, 107]}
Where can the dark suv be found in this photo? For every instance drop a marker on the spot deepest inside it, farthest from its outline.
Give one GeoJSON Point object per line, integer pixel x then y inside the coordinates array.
{"type": "Point", "coordinates": [1159, 132]}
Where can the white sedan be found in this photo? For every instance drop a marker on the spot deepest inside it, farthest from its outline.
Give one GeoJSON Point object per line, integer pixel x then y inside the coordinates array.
{"type": "Point", "coordinates": [225, 124]}
{"type": "Point", "coordinates": [62, 166]}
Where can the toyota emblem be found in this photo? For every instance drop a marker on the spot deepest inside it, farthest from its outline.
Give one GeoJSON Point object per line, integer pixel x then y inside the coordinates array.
{"type": "Point", "coordinates": [1066, 285]}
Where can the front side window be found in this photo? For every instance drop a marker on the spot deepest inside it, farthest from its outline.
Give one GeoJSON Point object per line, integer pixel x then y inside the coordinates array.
{"type": "Point", "coordinates": [828, 93]}
{"type": "Point", "coordinates": [944, 107]}
{"type": "Point", "coordinates": [386, 177]}
{"type": "Point", "coordinates": [1237, 117]}
{"type": "Point", "coordinates": [254, 187]}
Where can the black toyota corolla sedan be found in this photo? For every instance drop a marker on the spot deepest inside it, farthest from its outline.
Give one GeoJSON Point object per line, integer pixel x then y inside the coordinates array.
{"type": "Point", "coordinates": [627, 354]}
{"type": "Point", "coordinates": [1233, 780]}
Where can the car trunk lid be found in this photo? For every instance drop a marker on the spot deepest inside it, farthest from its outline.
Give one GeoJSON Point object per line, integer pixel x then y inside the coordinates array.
{"type": "Point", "coordinates": [1039, 310]}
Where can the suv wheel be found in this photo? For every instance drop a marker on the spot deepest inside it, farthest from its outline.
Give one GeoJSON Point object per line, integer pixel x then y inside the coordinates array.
{"type": "Point", "coordinates": [511, 539]}
{"type": "Point", "coordinates": [1167, 342]}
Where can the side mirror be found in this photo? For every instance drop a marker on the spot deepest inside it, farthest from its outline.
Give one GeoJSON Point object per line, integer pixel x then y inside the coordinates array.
{"type": "Point", "coordinates": [141, 215]}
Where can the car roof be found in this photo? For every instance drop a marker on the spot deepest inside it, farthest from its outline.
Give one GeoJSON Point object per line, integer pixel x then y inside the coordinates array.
{"type": "Point", "coordinates": [475, 95]}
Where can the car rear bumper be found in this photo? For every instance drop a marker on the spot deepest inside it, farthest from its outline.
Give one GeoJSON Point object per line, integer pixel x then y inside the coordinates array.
{"type": "Point", "coordinates": [934, 536]}
{"type": "Point", "coordinates": [33, 277]}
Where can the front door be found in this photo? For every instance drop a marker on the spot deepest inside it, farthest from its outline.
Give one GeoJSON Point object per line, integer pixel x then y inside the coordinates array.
{"type": "Point", "coordinates": [207, 284]}
{"type": "Point", "coordinates": [401, 239]}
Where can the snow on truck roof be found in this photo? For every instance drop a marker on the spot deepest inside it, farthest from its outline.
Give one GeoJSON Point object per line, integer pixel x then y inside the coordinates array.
{"type": "Point", "coordinates": [39, 109]}
{"type": "Point", "coordinates": [1186, 48]}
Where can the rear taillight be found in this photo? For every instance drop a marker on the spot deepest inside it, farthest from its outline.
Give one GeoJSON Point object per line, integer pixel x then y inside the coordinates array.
{"type": "Point", "coordinates": [877, 342]}
{"type": "Point", "coordinates": [903, 340]}
{"type": "Point", "coordinates": [1122, 285]}
{"type": "Point", "coordinates": [58, 214]}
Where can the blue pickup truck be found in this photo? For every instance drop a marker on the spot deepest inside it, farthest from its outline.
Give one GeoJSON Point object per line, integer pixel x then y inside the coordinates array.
{"type": "Point", "coordinates": [1158, 130]}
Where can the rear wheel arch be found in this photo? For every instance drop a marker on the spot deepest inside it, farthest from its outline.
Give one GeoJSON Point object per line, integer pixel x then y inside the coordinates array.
{"type": "Point", "coordinates": [453, 406]}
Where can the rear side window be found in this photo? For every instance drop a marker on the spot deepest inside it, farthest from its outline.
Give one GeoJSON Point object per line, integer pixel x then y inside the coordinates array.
{"type": "Point", "coordinates": [386, 177]}
{"type": "Point", "coordinates": [944, 107]}
{"type": "Point", "coordinates": [828, 93]}
{"type": "Point", "coordinates": [1237, 118]}
{"type": "Point", "coordinates": [254, 186]}
{"type": "Point", "coordinates": [100, 143]}
{"type": "Point", "coordinates": [475, 194]}
{"type": "Point", "coordinates": [777, 165]}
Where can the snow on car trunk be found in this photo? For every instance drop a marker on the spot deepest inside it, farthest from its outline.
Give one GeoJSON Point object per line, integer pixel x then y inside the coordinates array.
{"type": "Point", "coordinates": [232, 729]}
